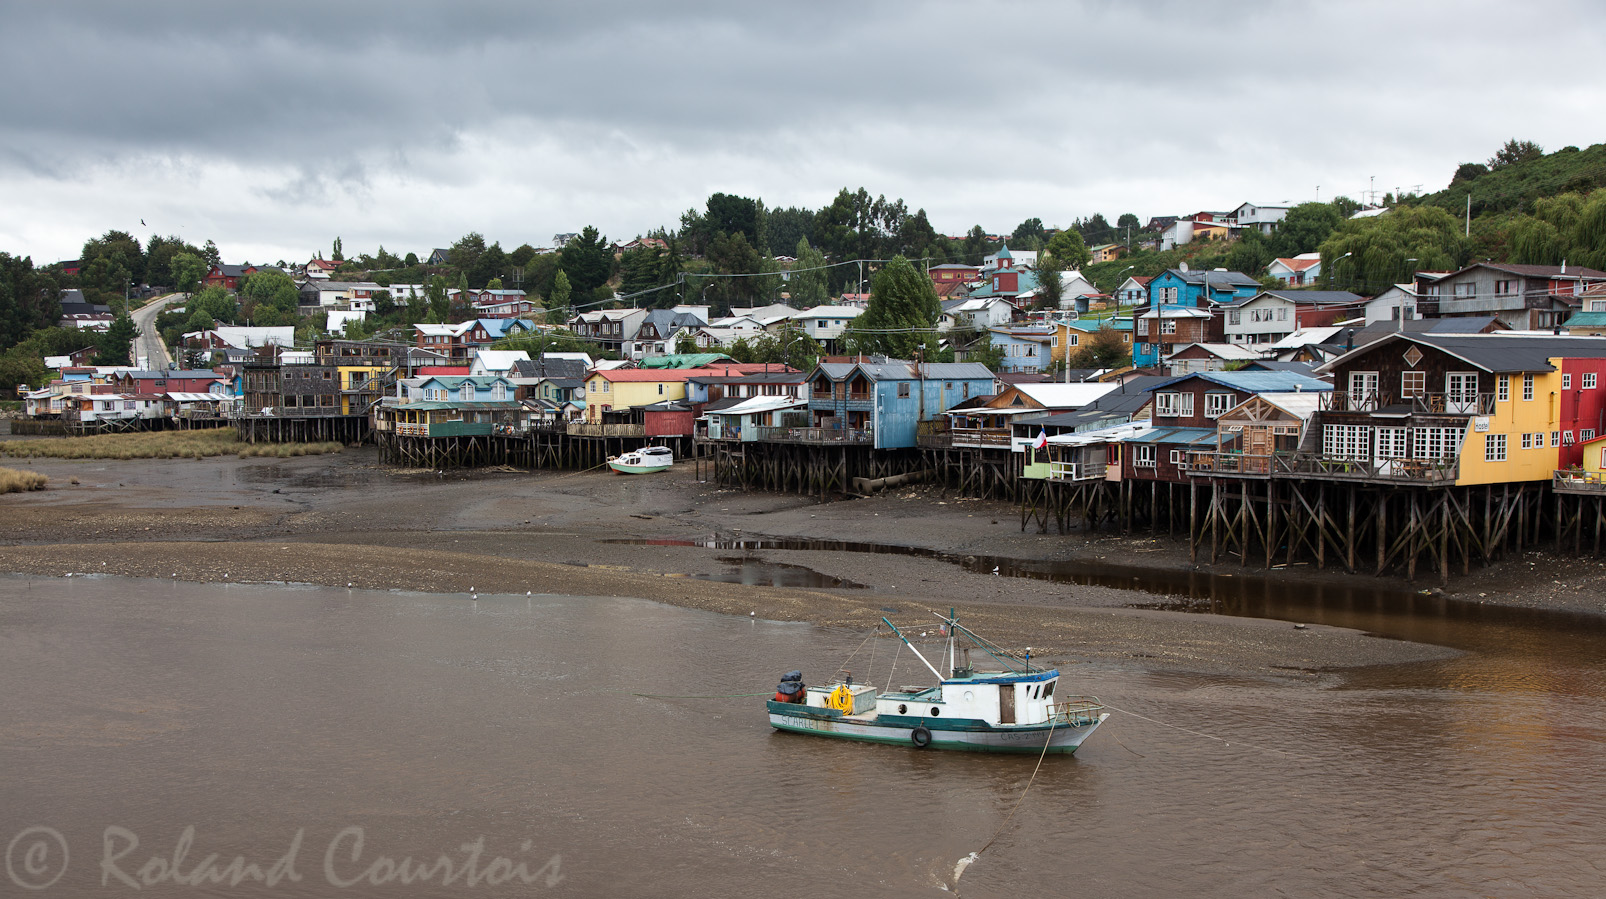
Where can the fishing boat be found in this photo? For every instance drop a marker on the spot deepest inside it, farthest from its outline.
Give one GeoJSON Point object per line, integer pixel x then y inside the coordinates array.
{"type": "Point", "coordinates": [1014, 709]}
{"type": "Point", "coordinates": [646, 460]}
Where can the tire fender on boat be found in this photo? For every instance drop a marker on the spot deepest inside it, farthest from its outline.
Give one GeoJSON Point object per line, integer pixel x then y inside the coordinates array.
{"type": "Point", "coordinates": [921, 736]}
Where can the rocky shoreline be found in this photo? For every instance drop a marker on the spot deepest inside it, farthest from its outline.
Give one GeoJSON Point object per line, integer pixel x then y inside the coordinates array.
{"type": "Point", "coordinates": [339, 520]}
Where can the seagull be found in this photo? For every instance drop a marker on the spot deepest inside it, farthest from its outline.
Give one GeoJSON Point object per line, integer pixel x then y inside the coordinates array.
{"type": "Point", "coordinates": [142, 222]}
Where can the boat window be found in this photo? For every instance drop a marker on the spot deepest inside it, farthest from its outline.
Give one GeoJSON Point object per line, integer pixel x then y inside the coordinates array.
{"type": "Point", "coordinates": [935, 711]}
{"type": "Point", "coordinates": [903, 709]}
{"type": "Point", "coordinates": [1049, 691]}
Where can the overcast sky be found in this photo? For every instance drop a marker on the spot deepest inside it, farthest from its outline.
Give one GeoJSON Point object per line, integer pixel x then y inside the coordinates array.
{"type": "Point", "coordinates": [273, 127]}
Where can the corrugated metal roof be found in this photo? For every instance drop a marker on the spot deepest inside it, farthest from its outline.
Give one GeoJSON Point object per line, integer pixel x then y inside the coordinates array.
{"type": "Point", "coordinates": [1174, 435]}
{"type": "Point", "coordinates": [1496, 353]}
{"type": "Point", "coordinates": [1255, 381]}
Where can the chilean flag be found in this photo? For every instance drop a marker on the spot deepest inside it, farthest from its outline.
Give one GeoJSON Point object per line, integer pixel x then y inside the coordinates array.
{"type": "Point", "coordinates": [1042, 439]}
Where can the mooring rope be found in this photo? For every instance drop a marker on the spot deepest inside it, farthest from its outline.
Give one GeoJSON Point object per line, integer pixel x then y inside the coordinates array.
{"type": "Point", "coordinates": [962, 864]}
{"type": "Point", "coordinates": [715, 696]}
{"type": "Point", "coordinates": [1196, 733]}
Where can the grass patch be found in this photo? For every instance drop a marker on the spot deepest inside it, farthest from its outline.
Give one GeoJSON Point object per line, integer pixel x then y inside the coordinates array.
{"type": "Point", "coordinates": [160, 445]}
{"type": "Point", "coordinates": [14, 481]}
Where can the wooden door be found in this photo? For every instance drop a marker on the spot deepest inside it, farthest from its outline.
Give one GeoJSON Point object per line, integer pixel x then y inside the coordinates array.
{"type": "Point", "coordinates": [1006, 703]}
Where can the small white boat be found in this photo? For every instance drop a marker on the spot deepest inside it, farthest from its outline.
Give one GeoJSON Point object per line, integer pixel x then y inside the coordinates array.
{"type": "Point", "coordinates": [1013, 710]}
{"type": "Point", "coordinates": [646, 460]}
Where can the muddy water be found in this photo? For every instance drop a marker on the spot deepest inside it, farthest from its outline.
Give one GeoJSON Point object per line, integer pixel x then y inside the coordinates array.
{"type": "Point", "coordinates": [423, 723]}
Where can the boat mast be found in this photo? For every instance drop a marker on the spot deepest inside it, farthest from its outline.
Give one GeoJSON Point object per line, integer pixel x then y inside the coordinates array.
{"type": "Point", "coordinates": [911, 647]}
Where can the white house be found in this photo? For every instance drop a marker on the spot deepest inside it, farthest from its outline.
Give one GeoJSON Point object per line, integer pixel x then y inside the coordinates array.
{"type": "Point", "coordinates": [1398, 302]}
{"type": "Point", "coordinates": [1073, 286]}
{"type": "Point", "coordinates": [1259, 216]}
{"type": "Point", "coordinates": [826, 322]}
{"type": "Point", "coordinates": [488, 363]}
{"type": "Point", "coordinates": [1296, 271]}
{"type": "Point", "coordinates": [979, 312]}
{"type": "Point", "coordinates": [1264, 318]}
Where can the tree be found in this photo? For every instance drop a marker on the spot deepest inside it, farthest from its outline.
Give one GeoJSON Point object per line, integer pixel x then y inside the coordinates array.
{"type": "Point", "coordinates": [901, 315]}
{"type": "Point", "coordinates": [159, 255]}
{"type": "Point", "coordinates": [115, 343]}
{"type": "Point", "coordinates": [1467, 171]}
{"type": "Point", "coordinates": [521, 257]}
{"type": "Point", "coordinates": [466, 252]}
{"type": "Point", "coordinates": [29, 301]}
{"type": "Point", "coordinates": [733, 215]}
{"type": "Point", "coordinates": [686, 344]}
{"type": "Point", "coordinates": [786, 227]}
{"type": "Point", "coordinates": [1127, 221]}
{"type": "Point", "coordinates": [186, 271]}
{"type": "Point", "coordinates": [1367, 255]}
{"type": "Point", "coordinates": [807, 282]}
{"type": "Point", "coordinates": [384, 303]}
{"type": "Point", "coordinates": [1105, 348]}
{"type": "Point", "coordinates": [1304, 228]}
{"type": "Point", "coordinates": [211, 254]}
{"type": "Point", "coordinates": [791, 345]}
{"type": "Point", "coordinates": [269, 298]}
{"type": "Point", "coordinates": [1050, 287]}
{"type": "Point", "coordinates": [336, 255]}
{"type": "Point", "coordinates": [1068, 251]}
{"type": "Point", "coordinates": [977, 346]}
{"type": "Point", "coordinates": [1513, 152]}
{"type": "Point", "coordinates": [1031, 228]}
{"type": "Point", "coordinates": [1097, 230]}
{"type": "Point", "coordinates": [494, 284]}
{"type": "Point", "coordinates": [439, 300]}
{"type": "Point", "coordinates": [587, 261]}
{"type": "Point", "coordinates": [557, 307]}
{"type": "Point", "coordinates": [213, 302]}
{"type": "Point", "coordinates": [410, 260]}
{"type": "Point", "coordinates": [491, 264]}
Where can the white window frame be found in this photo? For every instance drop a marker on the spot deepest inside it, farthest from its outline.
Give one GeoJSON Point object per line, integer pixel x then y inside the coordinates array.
{"type": "Point", "coordinates": [1527, 387]}
{"type": "Point", "coordinates": [1566, 382]}
{"type": "Point", "coordinates": [1217, 404]}
{"type": "Point", "coordinates": [1589, 380]}
{"type": "Point", "coordinates": [1494, 447]}
{"type": "Point", "coordinates": [1502, 388]}
{"type": "Point", "coordinates": [1407, 389]}
{"type": "Point", "coordinates": [1143, 455]}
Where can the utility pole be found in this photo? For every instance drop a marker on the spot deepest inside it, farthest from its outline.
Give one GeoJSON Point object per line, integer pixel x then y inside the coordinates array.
{"type": "Point", "coordinates": [1468, 231]}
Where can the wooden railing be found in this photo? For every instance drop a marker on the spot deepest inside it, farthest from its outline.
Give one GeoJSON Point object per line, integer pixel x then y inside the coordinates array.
{"type": "Point", "coordinates": [1209, 463]}
{"type": "Point", "coordinates": [1576, 481]}
{"type": "Point", "coordinates": [1353, 400]}
{"type": "Point", "coordinates": [817, 435]}
{"type": "Point", "coordinates": [578, 429]}
{"type": "Point", "coordinates": [1076, 471]}
{"type": "Point", "coordinates": [1415, 470]}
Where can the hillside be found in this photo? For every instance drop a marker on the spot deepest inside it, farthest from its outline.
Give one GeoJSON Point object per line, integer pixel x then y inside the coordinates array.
{"type": "Point", "coordinates": [1515, 187]}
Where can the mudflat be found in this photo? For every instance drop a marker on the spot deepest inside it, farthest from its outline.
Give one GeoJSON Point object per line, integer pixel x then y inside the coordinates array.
{"type": "Point", "coordinates": [345, 519]}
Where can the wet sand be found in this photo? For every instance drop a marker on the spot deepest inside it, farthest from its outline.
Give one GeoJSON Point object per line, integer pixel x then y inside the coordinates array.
{"type": "Point", "coordinates": [334, 520]}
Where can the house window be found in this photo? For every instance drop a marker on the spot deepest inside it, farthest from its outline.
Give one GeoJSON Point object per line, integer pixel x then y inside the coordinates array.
{"type": "Point", "coordinates": [1234, 317]}
{"type": "Point", "coordinates": [1172, 404]}
{"type": "Point", "coordinates": [1436, 443]}
{"type": "Point", "coordinates": [1586, 434]}
{"type": "Point", "coordinates": [903, 390]}
{"type": "Point", "coordinates": [1589, 380]}
{"type": "Point", "coordinates": [1346, 441]}
{"type": "Point", "coordinates": [1504, 288]}
{"type": "Point", "coordinates": [1494, 447]}
{"type": "Point", "coordinates": [1527, 441]}
{"type": "Point", "coordinates": [1144, 455]}
{"type": "Point", "coordinates": [1168, 327]}
{"type": "Point", "coordinates": [1566, 382]}
{"type": "Point", "coordinates": [1555, 438]}
{"type": "Point", "coordinates": [660, 390]}
{"type": "Point", "coordinates": [1217, 404]}
{"type": "Point", "coordinates": [1282, 314]}
{"type": "Point", "coordinates": [1179, 458]}
{"type": "Point", "coordinates": [1527, 387]}
{"type": "Point", "coordinates": [1502, 387]}
{"type": "Point", "coordinates": [1566, 438]}
{"type": "Point", "coordinates": [1413, 383]}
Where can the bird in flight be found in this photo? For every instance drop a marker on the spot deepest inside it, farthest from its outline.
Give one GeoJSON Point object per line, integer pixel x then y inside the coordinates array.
{"type": "Point", "coordinates": [142, 222]}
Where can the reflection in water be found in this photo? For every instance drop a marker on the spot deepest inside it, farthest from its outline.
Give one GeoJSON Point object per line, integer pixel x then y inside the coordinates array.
{"type": "Point", "coordinates": [429, 721]}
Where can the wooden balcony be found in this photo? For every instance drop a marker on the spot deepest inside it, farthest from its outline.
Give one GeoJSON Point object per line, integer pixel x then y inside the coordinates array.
{"type": "Point", "coordinates": [978, 438]}
{"type": "Point", "coordinates": [1077, 471]}
{"type": "Point", "coordinates": [1211, 464]}
{"type": "Point", "coordinates": [1576, 481]}
{"type": "Point", "coordinates": [1419, 471]}
{"type": "Point", "coordinates": [827, 436]}
{"type": "Point", "coordinates": [580, 429]}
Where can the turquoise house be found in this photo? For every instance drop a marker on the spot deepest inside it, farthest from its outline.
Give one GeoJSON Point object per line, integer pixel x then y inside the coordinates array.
{"type": "Point", "coordinates": [1187, 289]}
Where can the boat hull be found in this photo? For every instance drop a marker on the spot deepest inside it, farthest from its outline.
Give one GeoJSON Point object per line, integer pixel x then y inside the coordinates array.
{"type": "Point", "coordinates": [954, 734]}
{"type": "Point", "coordinates": [626, 468]}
